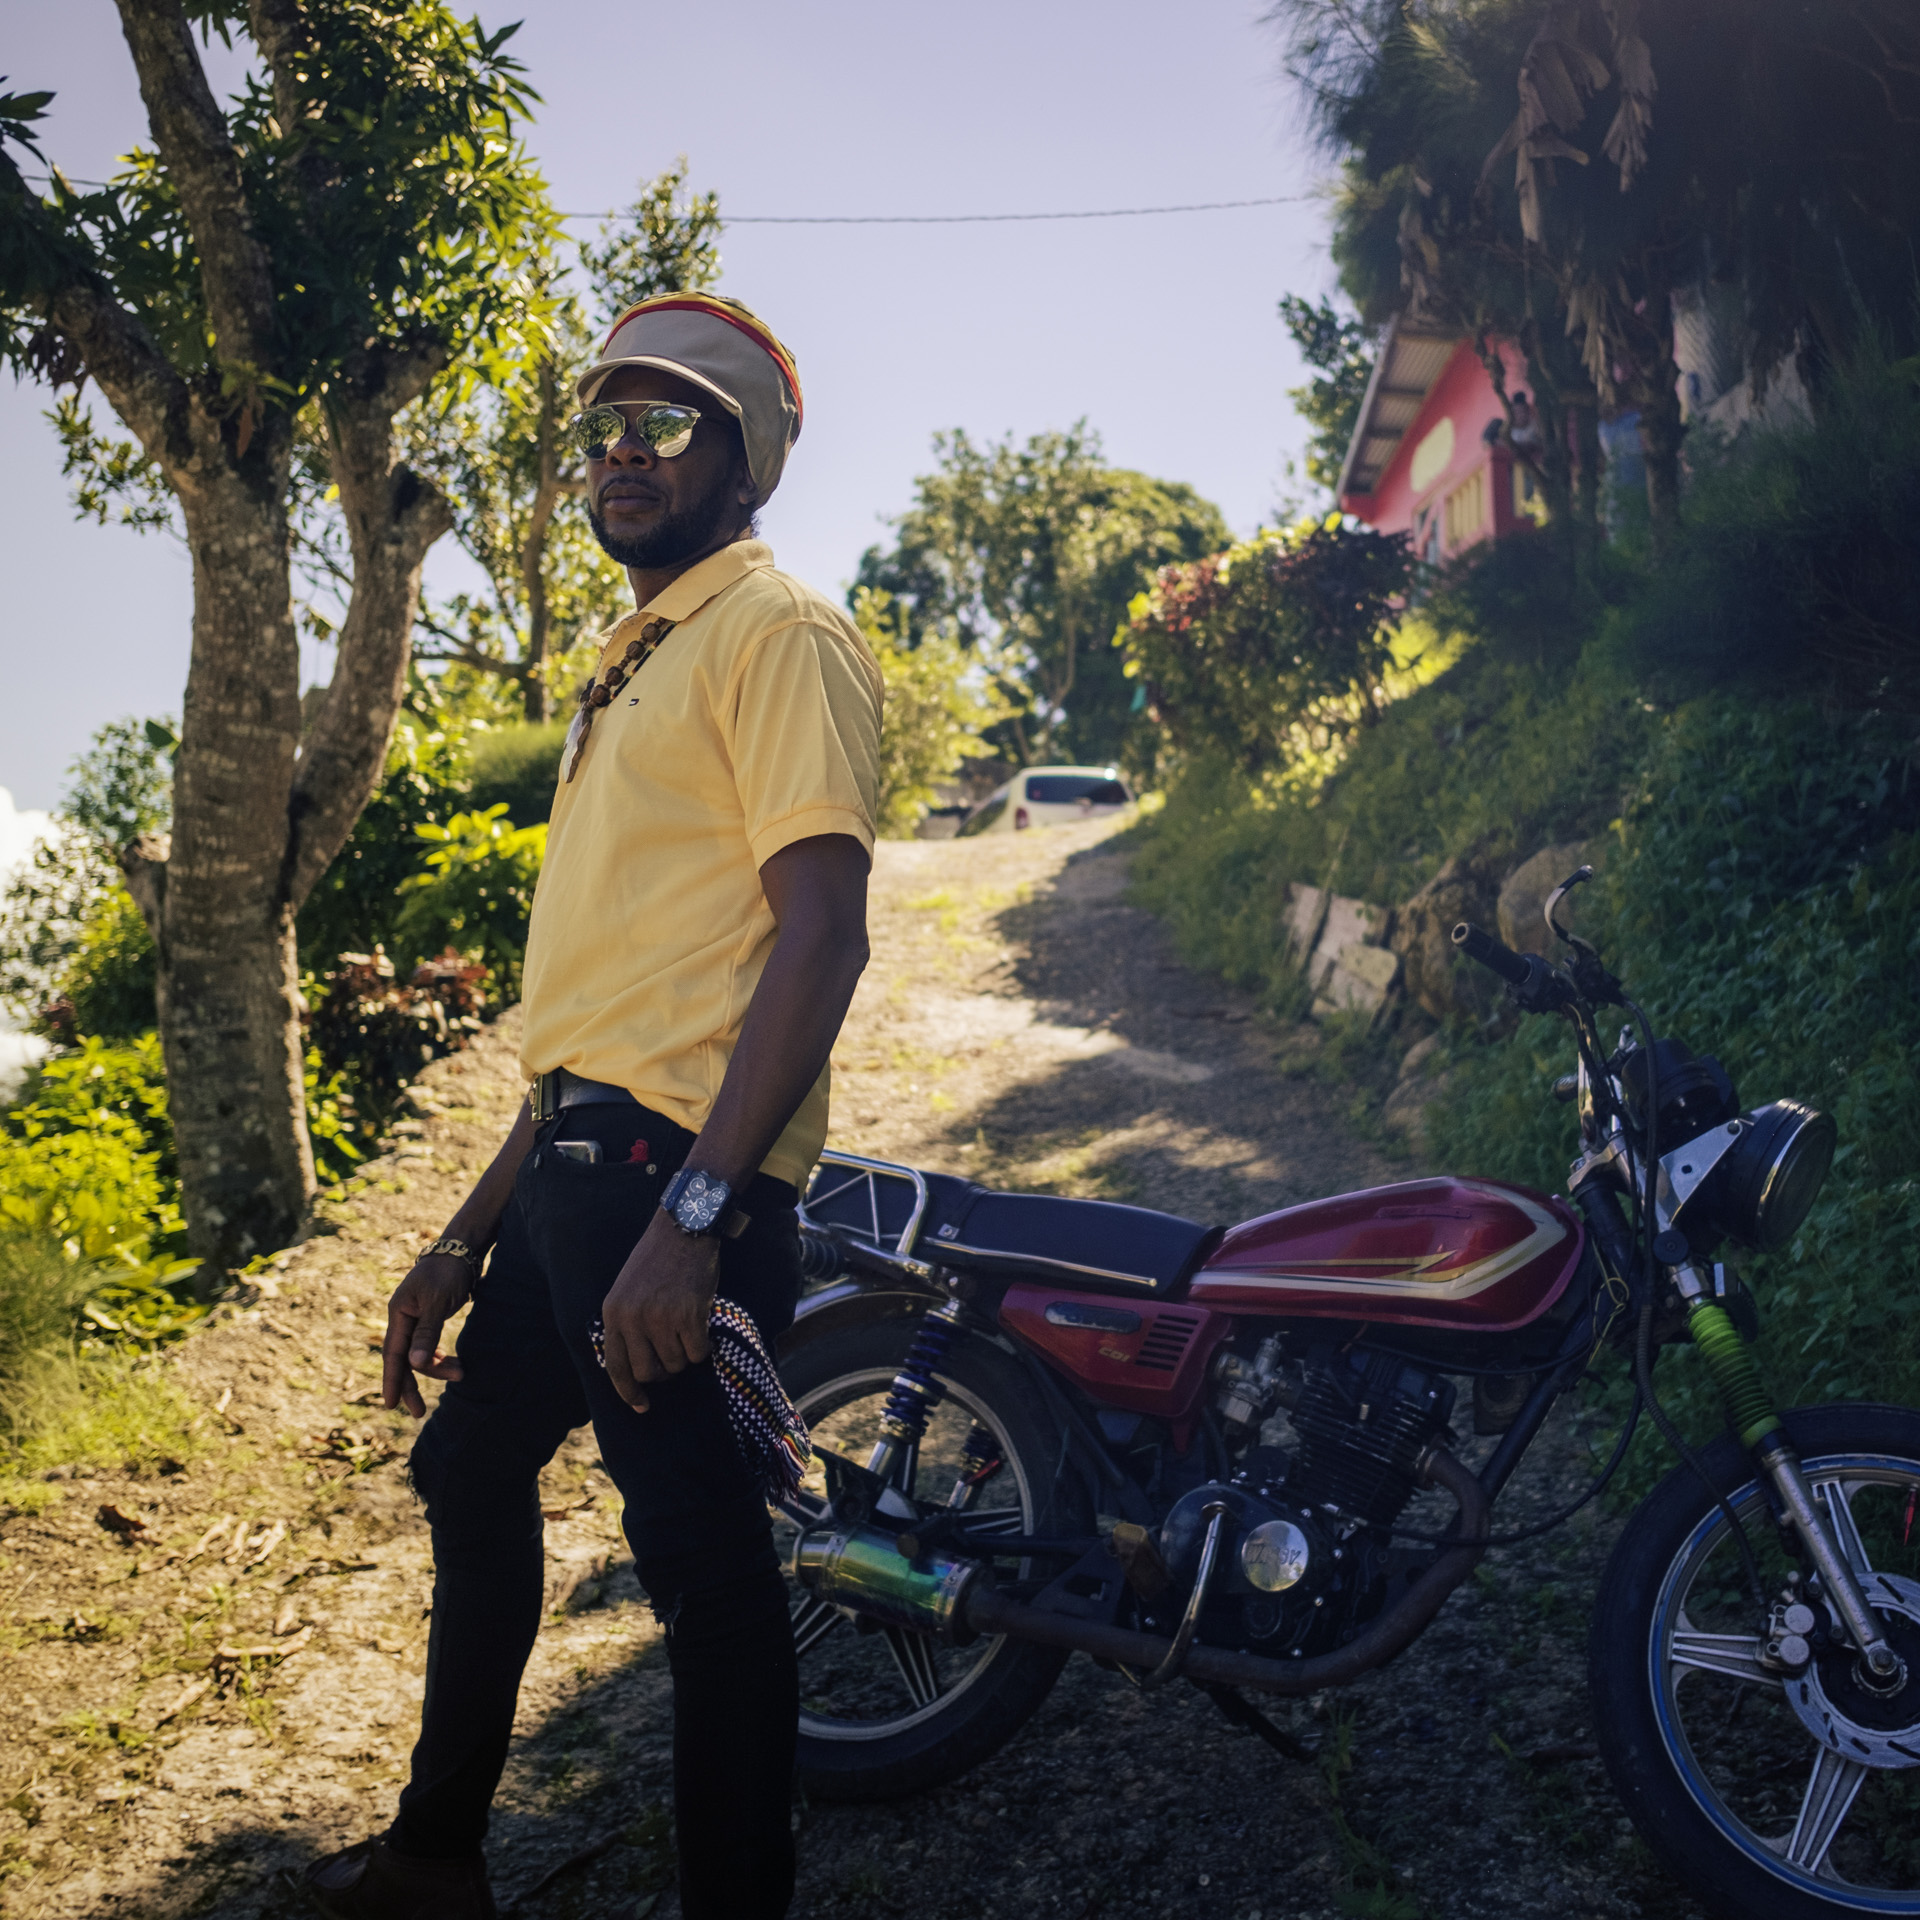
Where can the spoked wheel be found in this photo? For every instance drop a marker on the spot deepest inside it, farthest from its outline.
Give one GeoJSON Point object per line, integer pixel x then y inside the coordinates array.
{"type": "Point", "coordinates": [885, 1712]}
{"type": "Point", "coordinates": [1776, 1798]}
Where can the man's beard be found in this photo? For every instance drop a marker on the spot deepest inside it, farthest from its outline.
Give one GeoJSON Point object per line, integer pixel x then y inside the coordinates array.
{"type": "Point", "coordinates": [678, 537]}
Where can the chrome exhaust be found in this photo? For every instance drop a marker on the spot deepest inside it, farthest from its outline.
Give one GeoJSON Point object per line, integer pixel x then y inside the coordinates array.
{"type": "Point", "coordinates": [863, 1568]}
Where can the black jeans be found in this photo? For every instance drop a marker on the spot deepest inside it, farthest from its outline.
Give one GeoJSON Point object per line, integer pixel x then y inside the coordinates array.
{"type": "Point", "coordinates": [695, 1518]}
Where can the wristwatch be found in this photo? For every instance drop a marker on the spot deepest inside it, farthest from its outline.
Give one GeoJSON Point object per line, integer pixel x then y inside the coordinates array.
{"type": "Point", "coordinates": [697, 1203]}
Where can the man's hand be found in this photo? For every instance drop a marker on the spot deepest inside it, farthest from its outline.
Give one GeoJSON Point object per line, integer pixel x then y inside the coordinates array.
{"type": "Point", "coordinates": [435, 1290]}
{"type": "Point", "coordinates": [656, 1314]}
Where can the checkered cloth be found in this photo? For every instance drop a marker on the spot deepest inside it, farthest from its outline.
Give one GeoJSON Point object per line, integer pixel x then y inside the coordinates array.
{"type": "Point", "coordinates": [770, 1434]}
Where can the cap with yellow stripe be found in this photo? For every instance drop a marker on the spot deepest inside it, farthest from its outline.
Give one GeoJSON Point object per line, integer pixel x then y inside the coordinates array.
{"type": "Point", "coordinates": [725, 347]}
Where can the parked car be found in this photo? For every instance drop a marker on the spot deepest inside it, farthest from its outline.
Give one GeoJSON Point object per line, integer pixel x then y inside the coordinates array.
{"type": "Point", "coordinates": [1048, 797]}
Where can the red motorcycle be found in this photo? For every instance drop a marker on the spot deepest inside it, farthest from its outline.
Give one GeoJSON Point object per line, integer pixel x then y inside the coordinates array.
{"type": "Point", "coordinates": [1228, 1455]}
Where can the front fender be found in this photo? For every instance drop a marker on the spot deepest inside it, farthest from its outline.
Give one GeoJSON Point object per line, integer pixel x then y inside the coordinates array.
{"type": "Point", "coordinates": [853, 1300]}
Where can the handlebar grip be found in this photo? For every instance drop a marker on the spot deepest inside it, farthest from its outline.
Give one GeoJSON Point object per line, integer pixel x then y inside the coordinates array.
{"type": "Point", "coordinates": [1479, 945]}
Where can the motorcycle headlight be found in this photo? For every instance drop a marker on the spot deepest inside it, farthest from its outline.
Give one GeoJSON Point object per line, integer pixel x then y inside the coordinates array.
{"type": "Point", "coordinates": [1771, 1175]}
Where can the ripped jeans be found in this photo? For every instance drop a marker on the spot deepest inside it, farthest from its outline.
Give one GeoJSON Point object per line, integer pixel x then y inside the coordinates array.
{"type": "Point", "coordinates": [697, 1523]}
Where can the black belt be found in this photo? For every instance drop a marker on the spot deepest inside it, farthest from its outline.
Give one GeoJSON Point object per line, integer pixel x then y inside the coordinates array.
{"type": "Point", "coordinates": [552, 1091]}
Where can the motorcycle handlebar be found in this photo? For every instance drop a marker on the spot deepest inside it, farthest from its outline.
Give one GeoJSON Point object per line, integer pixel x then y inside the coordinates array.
{"type": "Point", "coordinates": [1477, 944]}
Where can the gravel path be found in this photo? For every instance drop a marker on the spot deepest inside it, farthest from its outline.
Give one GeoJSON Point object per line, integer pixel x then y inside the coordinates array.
{"type": "Point", "coordinates": [1019, 1024]}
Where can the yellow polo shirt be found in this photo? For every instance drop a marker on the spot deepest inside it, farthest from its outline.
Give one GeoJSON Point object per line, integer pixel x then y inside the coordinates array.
{"type": "Point", "coordinates": [754, 724]}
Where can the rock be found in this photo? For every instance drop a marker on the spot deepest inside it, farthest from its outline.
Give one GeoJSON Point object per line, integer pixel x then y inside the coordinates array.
{"type": "Point", "coordinates": [1357, 979]}
{"type": "Point", "coordinates": [1521, 907]}
{"type": "Point", "coordinates": [1417, 1056]}
{"type": "Point", "coordinates": [1320, 924]}
{"type": "Point", "coordinates": [1339, 942]}
{"type": "Point", "coordinates": [1437, 980]}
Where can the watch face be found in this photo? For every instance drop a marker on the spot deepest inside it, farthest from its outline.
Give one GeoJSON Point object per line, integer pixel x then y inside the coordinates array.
{"type": "Point", "coordinates": [700, 1202]}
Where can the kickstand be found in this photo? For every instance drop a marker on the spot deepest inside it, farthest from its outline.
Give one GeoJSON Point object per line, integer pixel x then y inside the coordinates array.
{"type": "Point", "coordinates": [1243, 1713]}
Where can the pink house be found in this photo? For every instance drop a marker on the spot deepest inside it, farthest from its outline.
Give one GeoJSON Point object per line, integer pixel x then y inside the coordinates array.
{"type": "Point", "coordinates": [1425, 459]}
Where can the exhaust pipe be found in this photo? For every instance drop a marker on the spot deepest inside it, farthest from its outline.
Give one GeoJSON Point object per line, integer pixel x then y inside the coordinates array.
{"type": "Point", "coordinates": [863, 1568]}
{"type": "Point", "coordinates": [953, 1598]}
{"type": "Point", "coordinates": [991, 1612]}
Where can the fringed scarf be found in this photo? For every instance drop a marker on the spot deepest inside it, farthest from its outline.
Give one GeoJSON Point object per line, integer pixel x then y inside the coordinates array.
{"type": "Point", "coordinates": [770, 1434]}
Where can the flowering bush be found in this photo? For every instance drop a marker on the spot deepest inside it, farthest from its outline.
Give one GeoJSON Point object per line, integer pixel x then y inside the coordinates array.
{"type": "Point", "coordinates": [1275, 650]}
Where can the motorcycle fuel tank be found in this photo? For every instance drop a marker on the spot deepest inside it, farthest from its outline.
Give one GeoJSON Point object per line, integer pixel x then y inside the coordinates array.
{"type": "Point", "coordinates": [1474, 1255]}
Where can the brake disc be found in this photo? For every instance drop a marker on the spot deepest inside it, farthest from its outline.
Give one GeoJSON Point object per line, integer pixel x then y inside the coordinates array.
{"type": "Point", "coordinates": [1839, 1706]}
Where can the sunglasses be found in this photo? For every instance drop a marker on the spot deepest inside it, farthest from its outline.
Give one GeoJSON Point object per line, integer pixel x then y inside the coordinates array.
{"type": "Point", "coordinates": [660, 425]}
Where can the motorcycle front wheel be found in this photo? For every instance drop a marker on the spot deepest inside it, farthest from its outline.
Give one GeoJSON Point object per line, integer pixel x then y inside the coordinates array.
{"type": "Point", "coordinates": [1794, 1798]}
{"type": "Point", "coordinates": [885, 1712]}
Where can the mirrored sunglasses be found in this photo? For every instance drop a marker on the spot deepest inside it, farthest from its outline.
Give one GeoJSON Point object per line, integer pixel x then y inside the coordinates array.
{"type": "Point", "coordinates": [659, 424]}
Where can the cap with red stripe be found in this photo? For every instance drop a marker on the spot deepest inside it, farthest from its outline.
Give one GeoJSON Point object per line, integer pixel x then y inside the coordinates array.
{"type": "Point", "coordinates": [725, 347]}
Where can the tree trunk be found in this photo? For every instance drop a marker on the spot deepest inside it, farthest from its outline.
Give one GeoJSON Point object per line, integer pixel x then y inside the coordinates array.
{"type": "Point", "coordinates": [533, 560]}
{"type": "Point", "coordinates": [257, 816]}
{"type": "Point", "coordinates": [1586, 485]}
{"type": "Point", "coordinates": [228, 992]}
{"type": "Point", "coordinates": [1662, 430]}
{"type": "Point", "coordinates": [1661, 433]}
{"type": "Point", "coordinates": [393, 516]}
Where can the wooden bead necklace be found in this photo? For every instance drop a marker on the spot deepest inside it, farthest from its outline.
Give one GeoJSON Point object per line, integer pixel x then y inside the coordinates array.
{"type": "Point", "coordinates": [599, 693]}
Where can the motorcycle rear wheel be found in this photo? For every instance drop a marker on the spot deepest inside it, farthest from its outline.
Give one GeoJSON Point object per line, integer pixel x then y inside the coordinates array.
{"type": "Point", "coordinates": [885, 1713]}
{"type": "Point", "coordinates": [1716, 1758]}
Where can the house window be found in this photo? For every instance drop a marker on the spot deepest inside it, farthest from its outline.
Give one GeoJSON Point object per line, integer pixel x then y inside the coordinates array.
{"type": "Point", "coordinates": [1529, 501]}
{"type": "Point", "coordinates": [1464, 512]}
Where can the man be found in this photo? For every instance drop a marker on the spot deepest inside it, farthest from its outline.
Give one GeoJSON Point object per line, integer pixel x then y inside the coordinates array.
{"type": "Point", "coordinates": [697, 933]}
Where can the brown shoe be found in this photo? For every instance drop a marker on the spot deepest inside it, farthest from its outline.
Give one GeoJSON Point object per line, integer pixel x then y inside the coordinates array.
{"type": "Point", "coordinates": [372, 1882]}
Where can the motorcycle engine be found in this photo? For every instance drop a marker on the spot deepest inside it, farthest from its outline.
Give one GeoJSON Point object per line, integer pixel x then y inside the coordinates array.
{"type": "Point", "coordinates": [1306, 1558]}
{"type": "Point", "coordinates": [1364, 1419]}
{"type": "Point", "coordinates": [1283, 1582]}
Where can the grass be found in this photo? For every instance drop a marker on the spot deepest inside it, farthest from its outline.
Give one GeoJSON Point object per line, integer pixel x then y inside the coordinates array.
{"type": "Point", "coordinates": [105, 1409]}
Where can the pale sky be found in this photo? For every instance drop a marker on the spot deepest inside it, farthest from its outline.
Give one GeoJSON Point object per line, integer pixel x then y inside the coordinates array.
{"type": "Point", "coordinates": [1160, 331]}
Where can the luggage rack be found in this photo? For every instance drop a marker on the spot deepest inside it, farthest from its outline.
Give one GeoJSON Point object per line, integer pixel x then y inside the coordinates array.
{"type": "Point", "coordinates": [852, 1197]}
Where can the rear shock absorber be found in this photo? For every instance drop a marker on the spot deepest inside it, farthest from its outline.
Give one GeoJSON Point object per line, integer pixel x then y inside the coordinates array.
{"type": "Point", "coordinates": [916, 1392]}
{"type": "Point", "coordinates": [981, 1463]}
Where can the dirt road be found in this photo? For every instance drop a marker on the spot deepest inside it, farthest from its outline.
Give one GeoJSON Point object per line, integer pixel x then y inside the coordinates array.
{"type": "Point", "coordinates": [189, 1727]}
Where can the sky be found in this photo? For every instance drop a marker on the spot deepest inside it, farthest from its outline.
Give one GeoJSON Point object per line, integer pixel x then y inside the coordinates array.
{"type": "Point", "coordinates": [1160, 332]}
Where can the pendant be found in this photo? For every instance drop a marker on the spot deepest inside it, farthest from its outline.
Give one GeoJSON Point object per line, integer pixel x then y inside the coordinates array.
{"type": "Point", "coordinates": [577, 739]}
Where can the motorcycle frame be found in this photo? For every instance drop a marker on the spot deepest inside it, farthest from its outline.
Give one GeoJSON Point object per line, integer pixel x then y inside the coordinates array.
{"type": "Point", "coordinates": [882, 1284]}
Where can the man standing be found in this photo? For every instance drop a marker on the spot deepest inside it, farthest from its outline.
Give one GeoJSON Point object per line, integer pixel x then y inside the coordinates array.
{"type": "Point", "coordinates": [697, 933]}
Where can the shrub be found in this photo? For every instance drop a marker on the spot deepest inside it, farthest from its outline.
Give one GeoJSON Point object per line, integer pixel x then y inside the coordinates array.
{"type": "Point", "coordinates": [516, 768]}
{"type": "Point", "coordinates": [89, 1203]}
{"type": "Point", "coordinates": [371, 1032]}
{"type": "Point", "coordinates": [358, 902]}
{"type": "Point", "coordinates": [107, 985]}
{"type": "Point", "coordinates": [476, 892]}
{"type": "Point", "coordinates": [1796, 563]}
{"type": "Point", "coordinates": [1274, 650]}
{"type": "Point", "coordinates": [1490, 755]}
{"type": "Point", "coordinates": [938, 703]}
{"type": "Point", "coordinates": [1764, 907]}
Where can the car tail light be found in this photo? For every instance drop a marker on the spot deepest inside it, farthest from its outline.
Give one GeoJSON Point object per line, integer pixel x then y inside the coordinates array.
{"type": "Point", "coordinates": [1022, 818]}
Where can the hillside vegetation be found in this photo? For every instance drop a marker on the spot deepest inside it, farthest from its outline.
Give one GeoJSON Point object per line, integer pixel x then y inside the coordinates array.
{"type": "Point", "coordinates": [1755, 806]}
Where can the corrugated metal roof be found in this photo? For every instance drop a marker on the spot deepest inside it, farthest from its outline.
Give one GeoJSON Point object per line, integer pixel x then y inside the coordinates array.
{"type": "Point", "coordinates": [1411, 358]}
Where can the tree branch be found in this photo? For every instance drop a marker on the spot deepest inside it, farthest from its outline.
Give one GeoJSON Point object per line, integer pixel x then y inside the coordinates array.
{"type": "Point", "coordinates": [280, 33]}
{"type": "Point", "coordinates": [137, 378]}
{"type": "Point", "coordinates": [197, 148]}
{"type": "Point", "coordinates": [393, 516]}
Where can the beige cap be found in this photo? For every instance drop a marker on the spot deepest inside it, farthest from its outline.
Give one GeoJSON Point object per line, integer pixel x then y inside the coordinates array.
{"type": "Point", "coordinates": [724, 347]}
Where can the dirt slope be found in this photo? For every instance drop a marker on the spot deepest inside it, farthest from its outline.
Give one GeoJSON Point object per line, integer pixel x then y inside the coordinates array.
{"type": "Point", "coordinates": [1019, 1024]}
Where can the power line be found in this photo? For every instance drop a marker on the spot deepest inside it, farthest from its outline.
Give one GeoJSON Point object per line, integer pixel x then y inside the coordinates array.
{"type": "Point", "coordinates": [966, 219]}
{"type": "Point", "coordinates": [919, 219]}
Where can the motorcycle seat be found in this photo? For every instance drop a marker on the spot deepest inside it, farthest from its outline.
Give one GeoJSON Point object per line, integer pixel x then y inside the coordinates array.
{"type": "Point", "coordinates": [1099, 1245]}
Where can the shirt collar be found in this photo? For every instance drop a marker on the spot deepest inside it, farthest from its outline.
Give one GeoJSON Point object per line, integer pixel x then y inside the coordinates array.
{"type": "Point", "coordinates": [699, 584]}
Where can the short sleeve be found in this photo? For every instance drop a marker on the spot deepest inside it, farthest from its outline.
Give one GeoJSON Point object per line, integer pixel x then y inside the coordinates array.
{"type": "Point", "coordinates": [805, 738]}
